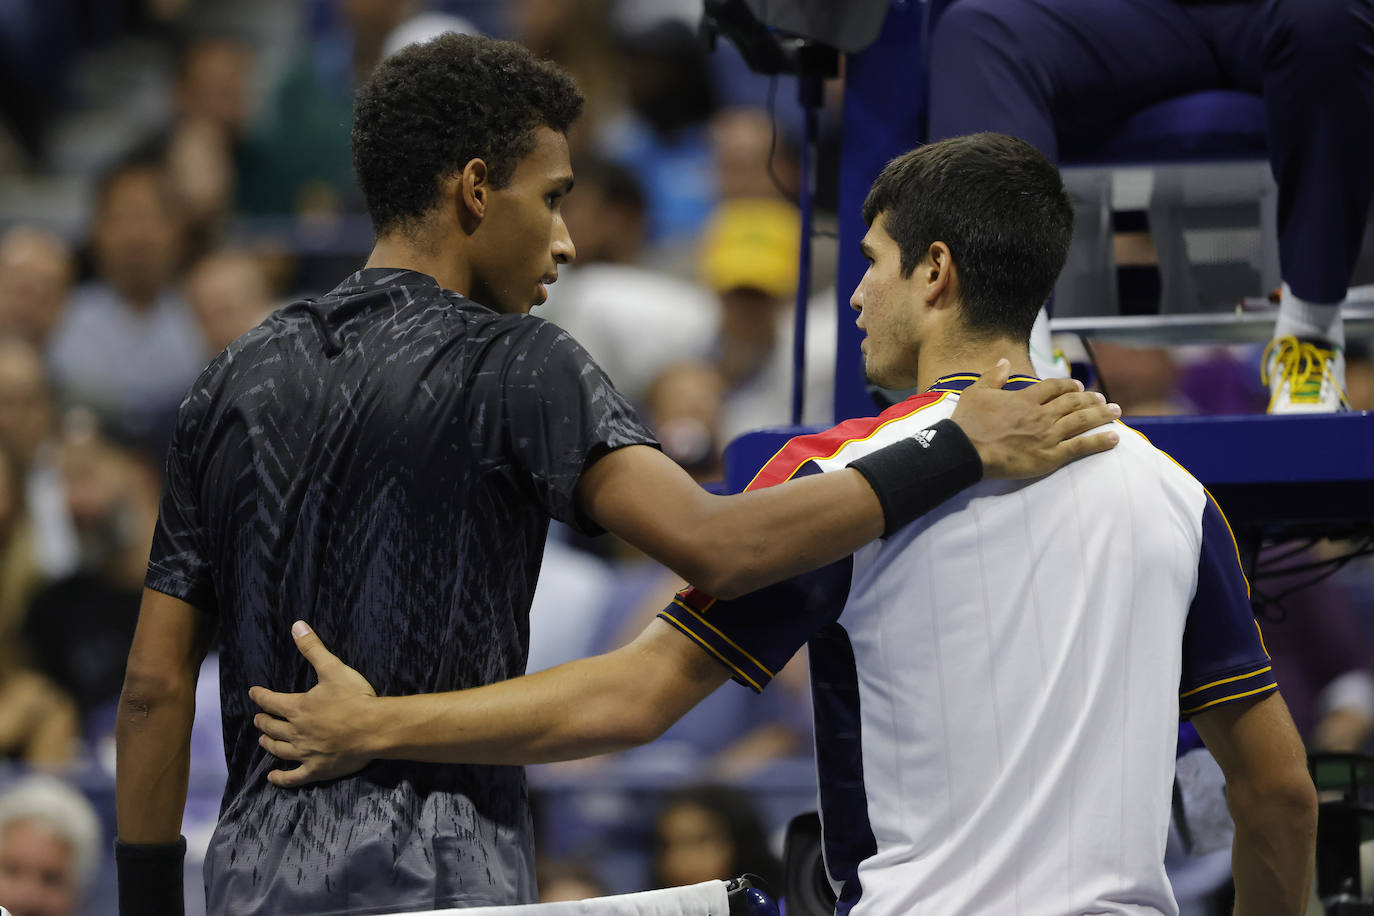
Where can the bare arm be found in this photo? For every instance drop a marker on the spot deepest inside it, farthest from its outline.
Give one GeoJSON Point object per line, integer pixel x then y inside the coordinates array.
{"type": "Point", "coordinates": [730, 545]}
{"type": "Point", "coordinates": [1272, 802]}
{"type": "Point", "coordinates": [153, 730]}
{"type": "Point", "coordinates": [591, 706]}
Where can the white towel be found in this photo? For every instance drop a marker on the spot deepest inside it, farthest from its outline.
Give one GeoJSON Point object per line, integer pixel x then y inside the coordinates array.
{"type": "Point", "coordinates": [709, 898]}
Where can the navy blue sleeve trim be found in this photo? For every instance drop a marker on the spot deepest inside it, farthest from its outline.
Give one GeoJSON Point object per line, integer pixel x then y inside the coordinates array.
{"type": "Point", "coordinates": [1224, 657]}
{"type": "Point", "coordinates": [755, 635]}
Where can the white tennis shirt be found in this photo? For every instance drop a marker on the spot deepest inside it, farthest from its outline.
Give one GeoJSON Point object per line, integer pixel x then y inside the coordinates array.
{"type": "Point", "coordinates": [998, 686]}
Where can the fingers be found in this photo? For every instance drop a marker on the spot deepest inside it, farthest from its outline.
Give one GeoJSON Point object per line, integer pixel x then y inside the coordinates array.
{"type": "Point", "coordinates": [1072, 401]}
{"type": "Point", "coordinates": [279, 729]}
{"type": "Point", "coordinates": [1046, 390]}
{"type": "Point", "coordinates": [995, 377]}
{"type": "Point", "coordinates": [1086, 418]}
{"type": "Point", "coordinates": [290, 779]}
{"type": "Point", "coordinates": [310, 646]}
{"type": "Point", "coordinates": [1082, 446]}
{"type": "Point", "coordinates": [283, 750]}
{"type": "Point", "coordinates": [280, 705]}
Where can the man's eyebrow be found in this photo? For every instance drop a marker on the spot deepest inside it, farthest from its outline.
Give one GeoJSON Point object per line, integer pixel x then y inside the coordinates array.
{"type": "Point", "coordinates": [865, 249]}
{"type": "Point", "coordinates": [564, 185]}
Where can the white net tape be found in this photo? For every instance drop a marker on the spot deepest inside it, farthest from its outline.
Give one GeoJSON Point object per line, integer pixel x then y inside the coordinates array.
{"type": "Point", "coordinates": [709, 898]}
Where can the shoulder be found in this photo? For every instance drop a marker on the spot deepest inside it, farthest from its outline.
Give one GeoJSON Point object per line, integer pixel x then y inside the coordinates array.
{"type": "Point", "coordinates": [842, 443]}
{"type": "Point", "coordinates": [1136, 447]}
{"type": "Point", "coordinates": [530, 342]}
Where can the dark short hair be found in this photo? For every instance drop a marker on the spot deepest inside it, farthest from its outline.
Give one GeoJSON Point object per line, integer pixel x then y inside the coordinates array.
{"type": "Point", "coordinates": [431, 108]}
{"type": "Point", "coordinates": [999, 205]}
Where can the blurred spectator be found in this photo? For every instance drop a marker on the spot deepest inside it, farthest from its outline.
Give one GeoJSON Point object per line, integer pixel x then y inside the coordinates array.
{"type": "Point", "coordinates": [577, 35]}
{"type": "Point", "coordinates": [1143, 380]}
{"type": "Point", "coordinates": [211, 82]}
{"type": "Point", "coordinates": [228, 293]}
{"type": "Point", "coordinates": [709, 833]}
{"type": "Point", "coordinates": [606, 217]}
{"type": "Point", "coordinates": [127, 342]}
{"type": "Point", "coordinates": [1321, 654]}
{"type": "Point", "coordinates": [749, 257]}
{"type": "Point", "coordinates": [742, 140]}
{"type": "Point", "coordinates": [19, 573]}
{"type": "Point", "coordinates": [303, 161]}
{"type": "Point", "coordinates": [201, 172]}
{"type": "Point", "coordinates": [633, 320]}
{"type": "Point", "coordinates": [663, 138]}
{"type": "Point", "coordinates": [203, 147]}
{"type": "Point", "coordinates": [36, 276]}
{"type": "Point", "coordinates": [50, 844]}
{"type": "Point", "coordinates": [80, 627]}
{"type": "Point", "coordinates": [27, 431]}
{"type": "Point", "coordinates": [38, 723]}
{"type": "Point", "coordinates": [683, 405]}
{"type": "Point", "coordinates": [559, 881]}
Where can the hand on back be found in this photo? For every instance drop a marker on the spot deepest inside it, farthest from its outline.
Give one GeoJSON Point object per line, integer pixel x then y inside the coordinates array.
{"type": "Point", "coordinates": [1035, 430]}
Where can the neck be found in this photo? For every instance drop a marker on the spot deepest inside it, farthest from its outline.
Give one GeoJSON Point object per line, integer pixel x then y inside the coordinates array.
{"type": "Point", "coordinates": [395, 252]}
{"type": "Point", "coordinates": [973, 358]}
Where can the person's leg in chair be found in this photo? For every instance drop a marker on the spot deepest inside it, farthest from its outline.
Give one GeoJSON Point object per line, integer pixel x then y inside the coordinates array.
{"type": "Point", "coordinates": [1313, 61]}
{"type": "Point", "coordinates": [1062, 75]}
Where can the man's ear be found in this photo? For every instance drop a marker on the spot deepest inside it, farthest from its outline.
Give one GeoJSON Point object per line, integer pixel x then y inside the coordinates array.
{"type": "Point", "coordinates": [939, 274]}
{"type": "Point", "coordinates": [473, 192]}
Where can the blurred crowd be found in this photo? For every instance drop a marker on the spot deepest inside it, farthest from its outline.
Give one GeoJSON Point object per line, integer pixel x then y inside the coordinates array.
{"type": "Point", "coordinates": [239, 196]}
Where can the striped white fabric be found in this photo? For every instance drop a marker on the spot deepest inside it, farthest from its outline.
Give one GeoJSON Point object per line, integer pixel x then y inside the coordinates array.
{"type": "Point", "coordinates": [1018, 664]}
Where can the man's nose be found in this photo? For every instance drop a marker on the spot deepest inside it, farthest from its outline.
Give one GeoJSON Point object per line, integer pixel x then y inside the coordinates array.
{"type": "Point", "coordinates": [564, 251]}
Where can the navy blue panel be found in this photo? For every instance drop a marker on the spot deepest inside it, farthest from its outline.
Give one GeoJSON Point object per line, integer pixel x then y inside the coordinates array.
{"type": "Point", "coordinates": [848, 834]}
{"type": "Point", "coordinates": [1223, 655]}
{"type": "Point", "coordinates": [1295, 472]}
{"type": "Point", "coordinates": [756, 634]}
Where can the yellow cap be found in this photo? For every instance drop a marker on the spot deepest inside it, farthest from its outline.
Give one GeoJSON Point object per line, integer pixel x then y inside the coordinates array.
{"type": "Point", "coordinates": [752, 243]}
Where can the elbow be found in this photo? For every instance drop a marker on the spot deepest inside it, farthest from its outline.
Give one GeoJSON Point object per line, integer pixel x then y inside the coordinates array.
{"type": "Point", "coordinates": [720, 572]}
{"type": "Point", "coordinates": [1281, 804]}
{"type": "Point", "coordinates": [148, 687]}
{"type": "Point", "coordinates": [724, 583]}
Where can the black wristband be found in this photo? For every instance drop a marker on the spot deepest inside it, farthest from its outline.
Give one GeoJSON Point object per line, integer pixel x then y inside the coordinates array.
{"type": "Point", "coordinates": [915, 475]}
{"type": "Point", "coordinates": [150, 878]}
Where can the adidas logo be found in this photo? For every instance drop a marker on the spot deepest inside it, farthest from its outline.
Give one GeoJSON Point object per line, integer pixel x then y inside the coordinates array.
{"type": "Point", "coordinates": [924, 436]}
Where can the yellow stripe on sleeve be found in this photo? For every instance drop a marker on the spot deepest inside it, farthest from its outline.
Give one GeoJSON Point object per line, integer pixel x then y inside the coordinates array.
{"type": "Point", "coordinates": [734, 645]}
{"type": "Point", "coordinates": [1225, 680]}
{"type": "Point", "coordinates": [1234, 696]}
{"type": "Point", "coordinates": [712, 649]}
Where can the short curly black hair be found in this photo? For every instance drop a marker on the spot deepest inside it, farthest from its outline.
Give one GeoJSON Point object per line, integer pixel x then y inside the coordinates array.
{"type": "Point", "coordinates": [431, 108]}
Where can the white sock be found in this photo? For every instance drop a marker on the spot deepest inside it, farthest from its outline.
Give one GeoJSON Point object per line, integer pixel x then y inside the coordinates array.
{"type": "Point", "coordinates": [1300, 318]}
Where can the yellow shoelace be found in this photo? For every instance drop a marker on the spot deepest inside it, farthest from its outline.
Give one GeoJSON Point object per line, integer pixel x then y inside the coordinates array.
{"type": "Point", "coordinates": [1302, 365]}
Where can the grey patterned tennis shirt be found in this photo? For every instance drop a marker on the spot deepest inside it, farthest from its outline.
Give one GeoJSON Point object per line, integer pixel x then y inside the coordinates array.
{"type": "Point", "coordinates": [382, 462]}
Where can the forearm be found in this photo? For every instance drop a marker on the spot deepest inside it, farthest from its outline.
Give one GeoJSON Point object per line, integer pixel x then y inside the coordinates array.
{"type": "Point", "coordinates": [580, 709]}
{"type": "Point", "coordinates": [1273, 855]}
{"type": "Point", "coordinates": [764, 536]}
{"type": "Point", "coordinates": [152, 744]}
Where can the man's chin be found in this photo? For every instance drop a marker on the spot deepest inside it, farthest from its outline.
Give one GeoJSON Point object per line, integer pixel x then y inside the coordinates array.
{"type": "Point", "coordinates": [894, 389]}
